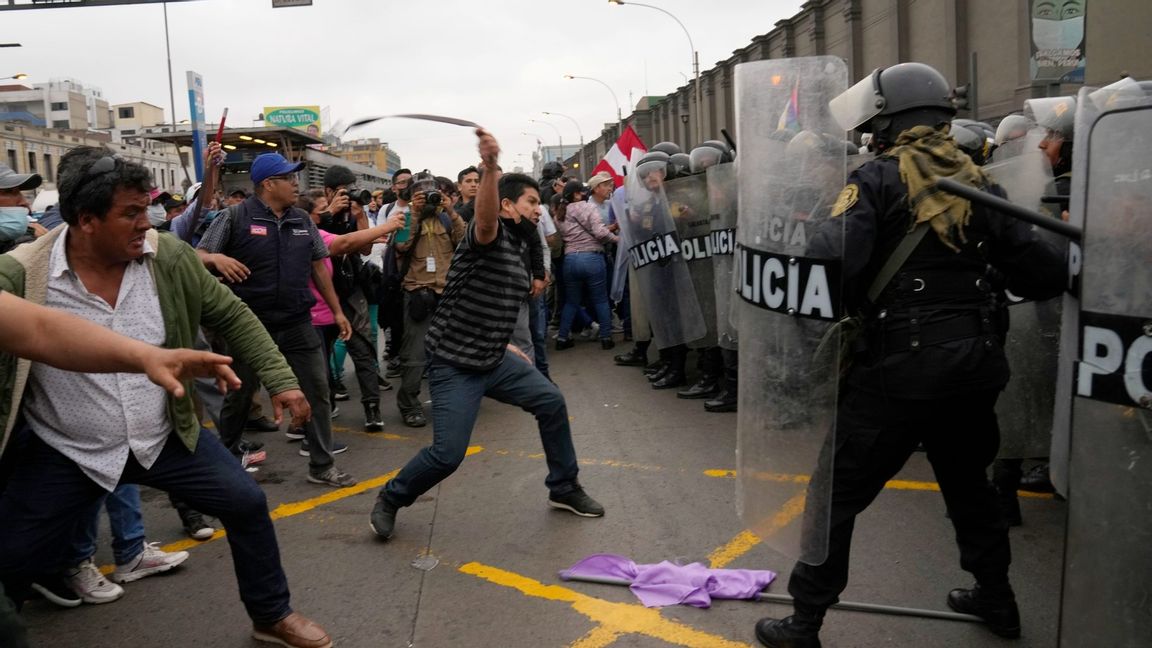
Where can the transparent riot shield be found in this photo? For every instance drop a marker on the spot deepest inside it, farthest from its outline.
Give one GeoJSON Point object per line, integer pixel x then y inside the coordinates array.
{"type": "Point", "coordinates": [1108, 556]}
{"type": "Point", "coordinates": [1024, 410]}
{"type": "Point", "coordinates": [722, 206]}
{"type": "Point", "coordinates": [788, 301]}
{"type": "Point", "coordinates": [654, 251]}
{"type": "Point", "coordinates": [688, 204]}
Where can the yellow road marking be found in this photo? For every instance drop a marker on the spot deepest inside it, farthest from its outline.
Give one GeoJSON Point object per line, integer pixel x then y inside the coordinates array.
{"type": "Point", "coordinates": [746, 540]}
{"type": "Point", "coordinates": [614, 619]}
{"type": "Point", "coordinates": [895, 484]}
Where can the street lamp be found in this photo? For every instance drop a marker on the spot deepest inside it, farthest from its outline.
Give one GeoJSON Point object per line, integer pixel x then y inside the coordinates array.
{"type": "Point", "coordinates": [578, 130]}
{"type": "Point", "coordinates": [19, 76]}
{"type": "Point", "coordinates": [558, 135]}
{"type": "Point", "coordinates": [614, 99]}
{"type": "Point", "coordinates": [695, 60]}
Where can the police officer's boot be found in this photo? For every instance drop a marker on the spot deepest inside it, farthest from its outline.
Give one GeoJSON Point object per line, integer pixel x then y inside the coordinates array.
{"type": "Point", "coordinates": [674, 376]}
{"type": "Point", "coordinates": [726, 400]}
{"type": "Point", "coordinates": [1037, 480]}
{"type": "Point", "coordinates": [637, 357]}
{"type": "Point", "coordinates": [708, 385]}
{"type": "Point", "coordinates": [996, 605]}
{"type": "Point", "coordinates": [796, 631]}
{"type": "Point", "coordinates": [656, 370]}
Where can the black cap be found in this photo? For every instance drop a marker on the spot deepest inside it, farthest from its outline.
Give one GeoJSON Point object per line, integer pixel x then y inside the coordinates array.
{"type": "Point", "coordinates": [338, 176]}
{"type": "Point", "coordinates": [571, 187]}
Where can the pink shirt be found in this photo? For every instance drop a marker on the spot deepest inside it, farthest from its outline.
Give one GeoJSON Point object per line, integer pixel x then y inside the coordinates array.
{"type": "Point", "coordinates": [321, 314]}
{"type": "Point", "coordinates": [583, 230]}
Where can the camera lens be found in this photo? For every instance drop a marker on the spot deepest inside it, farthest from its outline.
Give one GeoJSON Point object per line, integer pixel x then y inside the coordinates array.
{"type": "Point", "coordinates": [433, 197]}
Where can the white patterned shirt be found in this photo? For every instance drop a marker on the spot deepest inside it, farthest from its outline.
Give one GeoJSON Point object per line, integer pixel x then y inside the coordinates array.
{"type": "Point", "coordinates": [97, 419]}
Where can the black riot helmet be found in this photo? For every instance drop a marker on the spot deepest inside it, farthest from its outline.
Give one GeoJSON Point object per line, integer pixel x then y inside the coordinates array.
{"type": "Point", "coordinates": [710, 153]}
{"type": "Point", "coordinates": [969, 141]}
{"type": "Point", "coordinates": [650, 162]}
{"type": "Point", "coordinates": [679, 165]}
{"type": "Point", "coordinates": [671, 148]}
{"type": "Point", "coordinates": [892, 100]}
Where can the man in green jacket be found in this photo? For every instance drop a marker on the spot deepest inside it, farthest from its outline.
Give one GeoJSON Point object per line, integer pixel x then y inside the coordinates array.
{"type": "Point", "coordinates": [67, 438]}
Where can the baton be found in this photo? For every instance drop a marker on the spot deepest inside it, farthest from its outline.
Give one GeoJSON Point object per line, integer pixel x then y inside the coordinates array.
{"type": "Point", "coordinates": [1016, 211]}
{"type": "Point", "coordinates": [424, 117]}
{"type": "Point", "coordinates": [220, 131]}
{"type": "Point", "coordinates": [728, 138]}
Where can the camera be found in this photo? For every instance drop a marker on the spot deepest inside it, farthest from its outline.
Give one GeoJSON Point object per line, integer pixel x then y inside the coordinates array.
{"type": "Point", "coordinates": [426, 182]}
{"type": "Point", "coordinates": [361, 196]}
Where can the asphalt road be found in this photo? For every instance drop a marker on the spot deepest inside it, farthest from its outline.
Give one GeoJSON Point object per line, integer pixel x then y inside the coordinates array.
{"type": "Point", "coordinates": [656, 463]}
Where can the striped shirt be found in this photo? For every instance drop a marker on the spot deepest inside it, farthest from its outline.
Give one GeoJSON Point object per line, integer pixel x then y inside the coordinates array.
{"type": "Point", "coordinates": [477, 312]}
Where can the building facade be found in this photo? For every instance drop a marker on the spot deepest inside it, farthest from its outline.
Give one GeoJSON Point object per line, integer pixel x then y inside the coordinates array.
{"type": "Point", "coordinates": [61, 103]}
{"type": "Point", "coordinates": [370, 152]}
{"type": "Point", "coordinates": [989, 45]}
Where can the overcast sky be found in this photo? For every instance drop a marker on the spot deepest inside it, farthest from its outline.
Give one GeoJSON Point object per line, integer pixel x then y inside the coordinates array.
{"type": "Point", "coordinates": [496, 62]}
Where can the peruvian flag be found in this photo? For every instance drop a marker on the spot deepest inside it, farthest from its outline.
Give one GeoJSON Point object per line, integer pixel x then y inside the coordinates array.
{"type": "Point", "coordinates": [617, 156]}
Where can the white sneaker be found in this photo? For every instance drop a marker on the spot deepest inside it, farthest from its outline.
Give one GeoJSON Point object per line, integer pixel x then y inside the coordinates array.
{"type": "Point", "coordinates": [87, 581]}
{"type": "Point", "coordinates": [150, 561]}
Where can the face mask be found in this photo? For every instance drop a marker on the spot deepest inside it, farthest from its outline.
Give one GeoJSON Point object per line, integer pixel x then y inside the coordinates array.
{"type": "Point", "coordinates": [13, 223]}
{"type": "Point", "coordinates": [157, 215]}
{"type": "Point", "coordinates": [1057, 34]}
{"type": "Point", "coordinates": [405, 194]}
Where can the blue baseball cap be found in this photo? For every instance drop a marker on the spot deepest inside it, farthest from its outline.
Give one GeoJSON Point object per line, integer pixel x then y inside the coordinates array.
{"type": "Point", "coordinates": [267, 165]}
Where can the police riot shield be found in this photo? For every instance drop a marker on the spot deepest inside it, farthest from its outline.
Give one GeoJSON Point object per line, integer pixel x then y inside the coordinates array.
{"type": "Point", "coordinates": [1105, 598]}
{"type": "Point", "coordinates": [722, 207]}
{"type": "Point", "coordinates": [654, 250]}
{"type": "Point", "coordinates": [788, 301]}
{"type": "Point", "coordinates": [688, 204]}
{"type": "Point", "coordinates": [1024, 409]}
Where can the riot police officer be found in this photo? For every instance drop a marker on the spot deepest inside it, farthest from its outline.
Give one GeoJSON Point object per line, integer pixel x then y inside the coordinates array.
{"type": "Point", "coordinates": [928, 366]}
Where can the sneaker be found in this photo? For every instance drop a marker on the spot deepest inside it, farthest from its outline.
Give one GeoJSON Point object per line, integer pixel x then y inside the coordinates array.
{"type": "Point", "coordinates": [564, 343]}
{"type": "Point", "coordinates": [372, 420]}
{"type": "Point", "coordinates": [151, 561]}
{"type": "Point", "coordinates": [294, 434]}
{"type": "Point", "coordinates": [196, 527]}
{"type": "Point", "coordinates": [333, 476]}
{"type": "Point", "coordinates": [335, 412]}
{"type": "Point", "coordinates": [249, 460]}
{"type": "Point", "coordinates": [87, 581]}
{"type": "Point", "coordinates": [340, 394]}
{"type": "Point", "coordinates": [577, 502]}
{"type": "Point", "coordinates": [415, 419]}
{"type": "Point", "coordinates": [383, 520]}
{"type": "Point", "coordinates": [294, 631]}
{"type": "Point", "coordinates": [262, 424]}
{"type": "Point", "coordinates": [337, 448]}
{"type": "Point", "coordinates": [56, 589]}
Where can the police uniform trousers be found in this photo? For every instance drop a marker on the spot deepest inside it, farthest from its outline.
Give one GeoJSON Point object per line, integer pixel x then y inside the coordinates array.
{"type": "Point", "coordinates": [875, 436]}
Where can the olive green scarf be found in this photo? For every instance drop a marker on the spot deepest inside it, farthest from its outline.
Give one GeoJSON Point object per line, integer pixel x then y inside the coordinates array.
{"type": "Point", "coordinates": [927, 154]}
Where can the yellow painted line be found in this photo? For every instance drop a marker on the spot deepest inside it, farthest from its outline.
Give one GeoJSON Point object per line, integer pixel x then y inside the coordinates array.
{"type": "Point", "coordinates": [613, 463]}
{"type": "Point", "coordinates": [746, 540]}
{"type": "Point", "coordinates": [598, 637]}
{"type": "Point", "coordinates": [296, 508]}
{"type": "Point", "coordinates": [895, 484]}
{"type": "Point", "coordinates": [614, 618]}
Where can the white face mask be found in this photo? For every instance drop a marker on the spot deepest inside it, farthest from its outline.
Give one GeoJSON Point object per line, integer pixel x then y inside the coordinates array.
{"type": "Point", "coordinates": [1057, 34]}
{"type": "Point", "coordinates": [157, 215]}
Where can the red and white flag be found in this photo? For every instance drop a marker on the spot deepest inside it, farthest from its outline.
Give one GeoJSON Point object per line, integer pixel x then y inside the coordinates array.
{"type": "Point", "coordinates": [618, 155]}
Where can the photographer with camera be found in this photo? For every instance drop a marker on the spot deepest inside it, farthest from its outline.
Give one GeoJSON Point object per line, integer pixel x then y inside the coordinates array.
{"type": "Point", "coordinates": [424, 254]}
{"type": "Point", "coordinates": [356, 283]}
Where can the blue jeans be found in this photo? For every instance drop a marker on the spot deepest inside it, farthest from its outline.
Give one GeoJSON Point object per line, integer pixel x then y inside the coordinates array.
{"type": "Point", "coordinates": [126, 520]}
{"type": "Point", "coordinates": [585, 271]}
{"type": "Point", "coordinates": [47, 495]}
{"type": "Point", "coordinates": [456, 396]}
{"type": "Point", "coordinates": [538, 323]}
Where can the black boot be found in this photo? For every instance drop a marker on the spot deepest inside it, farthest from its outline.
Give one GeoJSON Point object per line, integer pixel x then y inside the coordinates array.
{"type": "Point", "coordinates": [997, 609]}
{"type": "Point", "coordinates": [706, 387]}
{"type": "Point", "coordinates": [657, 369]}
{"type": "Point", "coordinates": [725, 402]}
{"type": "Point", "coordinates": [792, 632]}
{"type": "Point", "coordinates": [670, 379]}
{"type": "Point", "coordinates": [1037, 480]}
{"type": "Point", "coordinates": [372, 420]}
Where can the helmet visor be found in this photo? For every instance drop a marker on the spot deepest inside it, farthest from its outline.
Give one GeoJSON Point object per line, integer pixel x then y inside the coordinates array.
{"type": "Point", "coordinates": [858, 104]}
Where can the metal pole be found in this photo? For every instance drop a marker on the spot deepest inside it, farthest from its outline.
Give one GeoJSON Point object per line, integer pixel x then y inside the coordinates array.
{"type": "Point", "coordinates": [583, 157]}
{"type": "Point", "coordinates": [1011, 209]}
{"type": "Point", "coordinates": [172, 93]}
{"type": "Point", "coordinates": [973, 97]}
{"type": "Point", "coordinates": [842, 605]}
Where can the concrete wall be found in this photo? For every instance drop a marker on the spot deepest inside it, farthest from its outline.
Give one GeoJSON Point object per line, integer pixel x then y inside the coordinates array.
{"type": "Point", "coordinates": [878, 33]}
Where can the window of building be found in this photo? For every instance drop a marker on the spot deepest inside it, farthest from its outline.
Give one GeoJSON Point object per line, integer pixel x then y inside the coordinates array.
{"type": "Point", "coordinates": [31, 161]}
{"type": "Point", "coordinates": [12, 159]}
{"type": "Point", "coordinates": [127, 112]}
{"type": "Point", "coordinates": [60, 123]}
{"type": "Point", "coordinates": [128, 131]}
{"type": "Point", "coordinates": [48, 168]}
{"type": "Point", "coordinates": [59, 105]}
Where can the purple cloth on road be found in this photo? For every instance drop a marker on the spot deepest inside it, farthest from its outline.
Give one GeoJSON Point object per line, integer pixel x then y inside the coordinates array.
{"type": "Point", "coordinates": [666, 583]}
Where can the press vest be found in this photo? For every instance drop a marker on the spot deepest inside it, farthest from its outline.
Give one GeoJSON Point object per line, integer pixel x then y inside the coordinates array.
{"type": "Point", "coordinates": [278, 252]}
